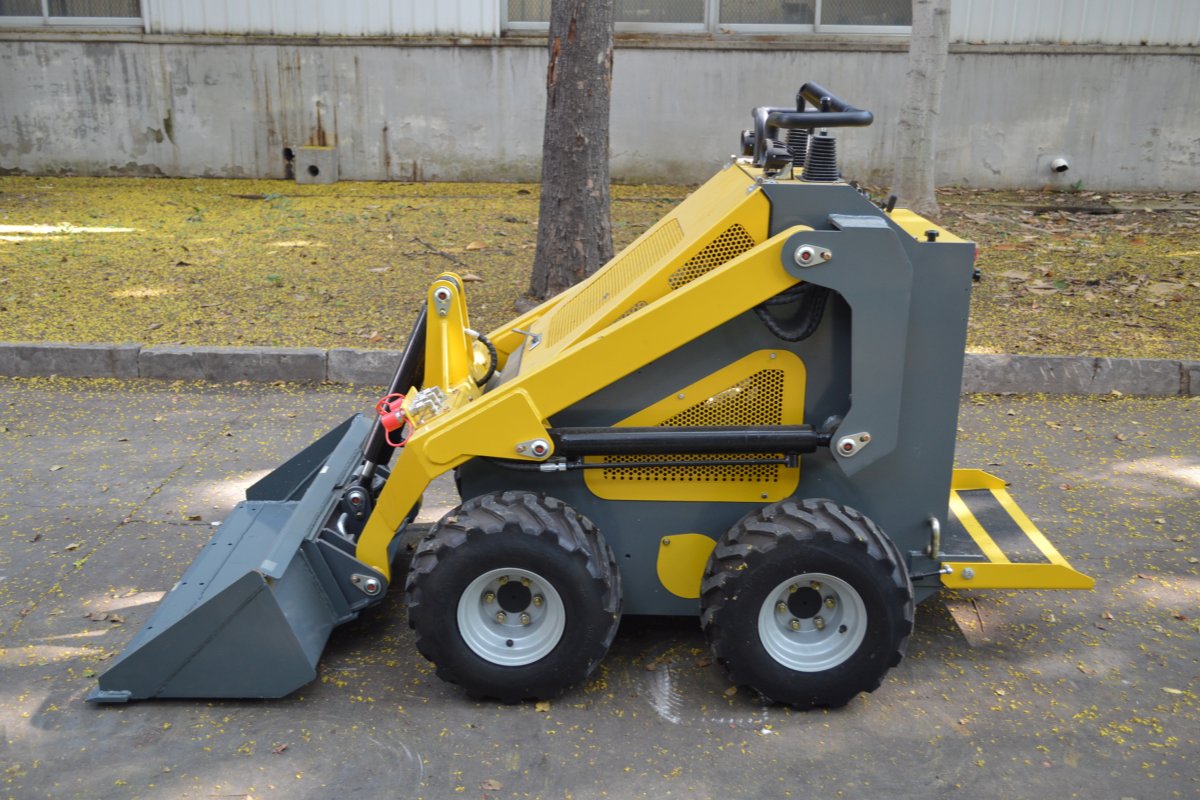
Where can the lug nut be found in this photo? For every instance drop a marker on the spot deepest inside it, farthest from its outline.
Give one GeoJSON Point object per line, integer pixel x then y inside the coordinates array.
{"type": "Point", "coordinates": [818, 623]}
{"type": "Point", "coordinates": [538, 600]}
{"type": "Point", "coordinates": [525, 619]}
{"type": "Point", "coordinates": [815, 585]}
{"type": "Point", "coordinates": [503, 579]}
{"type": "Point", "coordinates": [793, 588]}
{"type": "Point", "coordinates": [830, 602]}
{"type": "Point", "coordinates": [525, 581]}
{"type": "Point", "coordinates": [781, 607]}
{"type": "Point", "coordinates": [501, 616]}
{"type": "Point", "coordinates": [795, 624]}
{"type": "Point", "coordinates": [489, 598]}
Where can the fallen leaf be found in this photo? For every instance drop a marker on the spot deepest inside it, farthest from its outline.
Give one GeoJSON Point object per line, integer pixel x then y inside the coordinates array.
{"type": "Point", "coordinates": [542, 705]}
{"type": "Point", "coordinates": [192, 517]}
{"type": "Point", "coordinates": [1160, 521]}
{"type": "Point", "coordinates": [153, 326]}
{"type": "Point", "coordinates": [476, 245]}
{"type": "Point", "coordinates": [378, 270]}
{"type": "Point", "coordinates": [1120, 437]}
{"type": "Point", "coordinates": [1169, 690]}
{"type": "Point", "coordinates": [704, 661]}
{"type": "Point", "coordinates": [1107, 615]}
{"type": "Point", "coordinates": [471, 277]}
{"type": "Point", "coordinates": [72, 546]}
{"type": "Point", "coordinates": [279, 748]}
{"type": "Point", "coordinates": [491, 785]}
{"type": "Point", "coordinates": [731, 691]}
{"type": "Point", "coordinates": [56, 467]}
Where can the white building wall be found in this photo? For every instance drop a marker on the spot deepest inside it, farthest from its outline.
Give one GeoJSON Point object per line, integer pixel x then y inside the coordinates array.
{"type": "Point", "coordinates": [479, 18]}
{"type": "Point", "coordinates": [1112, 22]}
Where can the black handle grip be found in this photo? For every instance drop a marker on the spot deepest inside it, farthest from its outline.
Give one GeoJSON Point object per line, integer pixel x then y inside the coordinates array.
{"type": "Point", "coordinates": [831, 112]}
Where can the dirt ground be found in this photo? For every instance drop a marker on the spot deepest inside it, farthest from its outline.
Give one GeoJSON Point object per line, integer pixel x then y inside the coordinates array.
{"type": "Point", "coordinates": [225, 262]}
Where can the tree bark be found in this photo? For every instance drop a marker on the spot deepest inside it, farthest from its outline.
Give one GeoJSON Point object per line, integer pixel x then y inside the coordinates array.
{"type": "Point", "coordinates": [574, 231]}
{"type": "Point", "coordinates": [913, 181]}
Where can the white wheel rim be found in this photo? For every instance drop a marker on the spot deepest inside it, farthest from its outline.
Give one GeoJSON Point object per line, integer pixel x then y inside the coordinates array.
{"type": "Point", "coordinates": [511, 617]}
{"type": "Point", "coordinates": [812, 622]}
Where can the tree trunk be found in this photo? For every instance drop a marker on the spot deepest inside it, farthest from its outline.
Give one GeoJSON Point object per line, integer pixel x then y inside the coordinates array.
{"type": "Point", "coordinates": [916, 144]}
{"type": "Point", "coordinates": [574, 231]}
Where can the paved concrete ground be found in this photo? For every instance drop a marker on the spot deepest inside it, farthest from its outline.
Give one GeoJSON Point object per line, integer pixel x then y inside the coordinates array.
{"type": "Point", "coordinates": [107, 491]}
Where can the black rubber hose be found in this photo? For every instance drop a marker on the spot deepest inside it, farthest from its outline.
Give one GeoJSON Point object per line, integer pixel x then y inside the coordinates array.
{"type": "Point", "coordinates": [805, 321]}
{"type": "Point", "coordinates": [495, 360]}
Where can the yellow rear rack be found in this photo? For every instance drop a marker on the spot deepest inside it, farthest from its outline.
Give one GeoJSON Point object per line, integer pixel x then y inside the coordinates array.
{"type": "Point", "coordinates": [987, 524]}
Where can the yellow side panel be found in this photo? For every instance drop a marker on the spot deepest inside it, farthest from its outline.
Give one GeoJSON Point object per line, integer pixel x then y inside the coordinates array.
{"type": "Point", "coordinates": [915, 226]}
{"type": "Point", "coordinates": [718, 222]}
{"type": "Point", "coordinates": [763, 388]}
{"type": "Point", "coordinates": [681, 562]}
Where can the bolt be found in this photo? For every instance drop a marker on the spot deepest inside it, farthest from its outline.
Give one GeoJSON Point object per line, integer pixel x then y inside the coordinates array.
{"type": "Point", "coordinates": [501, 616]}
{"type": "Point", "coordinates": [794, 624]}
{"type": "Point", "coordinates": [781, 607]}
{"type": "Point", "coordinates": [525, 581]}
{"type": "Point", "coordinates": [819, 623]}
{"type": "Point", "coordinates": [503, 579]}
{"type": "Point", "coordinates": [816, 585]}
{"type": "Point", "coordinates": [538, 600]}
{"type": "Point", "coordinates": [866, 437]}
{"type": "Point", "coordinates": [830, 602]}
{"type": "Point", "coordinates": [526, 619]}
{"type": "Point", "coordinates": [489, 598]}
{"type": "Point", "coordinates": [666, 541]}
{"type": "Point", "coordinates": [793, 588]}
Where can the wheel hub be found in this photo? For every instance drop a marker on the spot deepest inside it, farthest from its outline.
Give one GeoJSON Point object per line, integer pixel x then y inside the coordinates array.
{"type": "Point", "coordinates": [804, 603]}
{"type": "Point", "coordinates": [812, 622]}
{"type": "Point", "coordinates": [511, 616]}
{"type": "Point", "coordinates": [514, 597]}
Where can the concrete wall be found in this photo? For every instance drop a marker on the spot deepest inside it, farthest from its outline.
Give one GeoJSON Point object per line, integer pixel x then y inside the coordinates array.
{"type": "Point", "coordinates": [1126, 118]}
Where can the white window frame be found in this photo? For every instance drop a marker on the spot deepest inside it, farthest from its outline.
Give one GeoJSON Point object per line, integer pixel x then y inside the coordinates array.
{"type": "Point", "coordinates": [47, 21]}
{"type": "Point", "coordinates": [713, 25]}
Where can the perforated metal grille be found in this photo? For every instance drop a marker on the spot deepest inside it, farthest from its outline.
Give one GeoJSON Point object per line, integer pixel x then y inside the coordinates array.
{"type": "Point", "coordinates": [756, 400]}
{"type": "Point", "coordinates": [638, 306]}
{"type": "Point", "coordinates": [733, 242]}
{"type": "Point", "coordinates": [615, 278]}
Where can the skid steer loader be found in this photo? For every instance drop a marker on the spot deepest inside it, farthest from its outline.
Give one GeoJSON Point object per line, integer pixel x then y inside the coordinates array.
{"type": "Point", "coordinates": [748, 415]}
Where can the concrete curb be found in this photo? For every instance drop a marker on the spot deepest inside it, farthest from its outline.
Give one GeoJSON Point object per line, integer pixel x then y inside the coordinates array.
{"type": "Point", "coordinates": [988, 374]}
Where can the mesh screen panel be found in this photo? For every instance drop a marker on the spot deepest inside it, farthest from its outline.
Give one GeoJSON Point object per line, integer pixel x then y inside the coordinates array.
{"type": "Point", "coordinates": [866, 12]}
{"type": "Point", "coordinates": [756, 400]}
{"type": "Point", "coordinates": [94, 8]}
{"type": "Point", "coordinates": [761, 12]}
{"type": "Point", "coordinates": [20, 8]}
{"type": "Point", "coordinates": [733, 242]}
{"type": "Point", "coordinates": [592, 298]}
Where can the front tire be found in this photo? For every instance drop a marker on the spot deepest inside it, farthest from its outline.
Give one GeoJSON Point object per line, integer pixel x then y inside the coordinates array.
{"type": "Point", "coordinates": [514, 595]}
{"type": "Point", "coordinates": [808, 602]}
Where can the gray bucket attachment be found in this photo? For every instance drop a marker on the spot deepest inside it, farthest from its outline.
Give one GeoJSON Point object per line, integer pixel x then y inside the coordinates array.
{"type": "Point", "coordinates": [251, 615]}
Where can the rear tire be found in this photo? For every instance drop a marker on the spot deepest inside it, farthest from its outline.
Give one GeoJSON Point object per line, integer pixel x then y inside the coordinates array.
{"type": "Point", "coordinates": [514, 595]}
{"type": "Point", "coordinates": [807, 602]}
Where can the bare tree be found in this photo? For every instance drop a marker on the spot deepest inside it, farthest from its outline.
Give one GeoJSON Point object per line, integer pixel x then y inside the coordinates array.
{"type": "Point", "coordinates": [574, 230]}
{"type": "Point", "coordinates": [913, 180]}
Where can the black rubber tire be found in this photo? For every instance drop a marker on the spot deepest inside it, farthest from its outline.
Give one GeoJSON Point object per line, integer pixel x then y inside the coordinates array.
{"type": "Point", "coordinates": [793, 538]}
{"type": "Point", "coordinates": [515, 530]}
